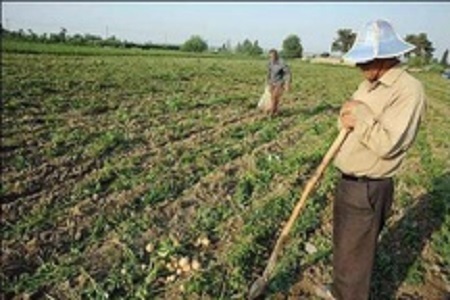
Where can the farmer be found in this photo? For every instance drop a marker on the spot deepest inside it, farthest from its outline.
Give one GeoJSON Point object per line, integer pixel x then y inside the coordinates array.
{"type": "Point", "coordinates": [384, 116]}
{"type": "Point", "coordinates": [278, 79]}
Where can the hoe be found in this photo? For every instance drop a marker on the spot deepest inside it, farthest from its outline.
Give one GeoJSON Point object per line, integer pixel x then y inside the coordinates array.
{"type": "Point", "coordinates": [258, 287]}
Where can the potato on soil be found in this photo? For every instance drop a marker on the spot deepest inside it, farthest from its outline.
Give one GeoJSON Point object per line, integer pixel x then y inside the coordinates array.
{"type": "Point", "coordinates": [195, 265]}
{"type": "Point", "coordinates": [149, 248]}
{"type": "Point", "coordinates": [184, 261]}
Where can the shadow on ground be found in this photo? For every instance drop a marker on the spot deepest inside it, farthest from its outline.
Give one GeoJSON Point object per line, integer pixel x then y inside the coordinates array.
{"type": "Point", "coordinates": [401, 246]}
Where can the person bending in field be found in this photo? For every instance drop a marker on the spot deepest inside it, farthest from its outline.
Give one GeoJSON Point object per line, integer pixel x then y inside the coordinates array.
{"type": "Point", "coordinates": [278, 79]}
{"type": "Point", "coordinates": [383, 117]}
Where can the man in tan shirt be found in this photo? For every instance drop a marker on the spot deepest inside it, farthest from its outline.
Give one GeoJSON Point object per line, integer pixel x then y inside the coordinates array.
{"type": "Point", "coordinates": [384, 116]}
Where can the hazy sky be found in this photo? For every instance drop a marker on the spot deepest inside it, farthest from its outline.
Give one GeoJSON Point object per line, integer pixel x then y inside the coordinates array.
{"type": "Point", "coordinates": [269, 23]}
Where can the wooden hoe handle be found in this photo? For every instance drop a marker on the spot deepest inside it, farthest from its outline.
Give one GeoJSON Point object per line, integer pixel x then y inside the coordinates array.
{"type": "Point", "coordinates": [301, 203]}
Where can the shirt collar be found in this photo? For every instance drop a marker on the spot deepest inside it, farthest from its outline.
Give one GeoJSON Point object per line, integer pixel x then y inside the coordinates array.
{"type": "Point", "coordinates": [388, 78]}
{"type": "Point", "coordinates": [277, 62]}
{"type": "Point", "coordinates": [391, 76]}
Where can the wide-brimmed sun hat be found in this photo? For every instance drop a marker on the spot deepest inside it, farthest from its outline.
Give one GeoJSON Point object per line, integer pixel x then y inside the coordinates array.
{"type": "Point", "coordinates": [377, 39]}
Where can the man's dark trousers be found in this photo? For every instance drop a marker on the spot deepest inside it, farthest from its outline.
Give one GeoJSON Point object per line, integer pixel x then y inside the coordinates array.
{"type": "Point", "coordinates": [359, 213]}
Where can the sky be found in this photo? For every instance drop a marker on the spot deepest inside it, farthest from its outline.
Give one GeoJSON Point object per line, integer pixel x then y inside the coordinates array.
{"type": "Point", "coordinates": [269, 23]}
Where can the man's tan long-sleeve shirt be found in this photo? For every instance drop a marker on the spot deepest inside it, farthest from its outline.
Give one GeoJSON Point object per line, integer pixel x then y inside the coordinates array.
{"type": "Point", "coordinates": [386, 125]}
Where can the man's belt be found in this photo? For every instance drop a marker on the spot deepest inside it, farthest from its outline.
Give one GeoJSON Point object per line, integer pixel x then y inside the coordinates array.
{"type": "Point", "coordinates": [360, 178]}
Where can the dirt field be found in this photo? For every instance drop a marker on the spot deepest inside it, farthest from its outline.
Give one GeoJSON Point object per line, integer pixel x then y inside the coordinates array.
{"type": "Point", "coordinates": [115, 168]}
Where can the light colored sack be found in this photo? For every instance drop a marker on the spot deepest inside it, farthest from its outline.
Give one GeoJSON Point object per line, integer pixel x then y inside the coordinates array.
{"type": "Point", "coordinates": [264, 101]}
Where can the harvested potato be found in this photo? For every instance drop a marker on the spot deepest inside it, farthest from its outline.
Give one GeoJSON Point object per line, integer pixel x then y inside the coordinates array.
{"type": "Point", "coordinates": [184, 261]}
{"type": "Point", "coordinates": [149, 248]}
{"type": "Point", "coordinates": [195, 265]}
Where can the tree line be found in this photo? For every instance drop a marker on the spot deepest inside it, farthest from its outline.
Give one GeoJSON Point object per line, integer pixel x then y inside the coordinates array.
{"type": "Point", "coordinates": [291, 45]}
{"type": "Point", "coordinates": [80, 39]}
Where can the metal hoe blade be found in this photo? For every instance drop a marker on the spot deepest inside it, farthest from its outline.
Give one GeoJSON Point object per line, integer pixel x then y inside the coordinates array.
{"type": "Point", "coordinates": [257, 289]}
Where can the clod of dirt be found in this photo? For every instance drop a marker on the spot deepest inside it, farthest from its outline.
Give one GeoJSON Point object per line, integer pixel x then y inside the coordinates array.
{"type": "Point", "coordinates": [32, 246]}
{"type": "Point", "coordinates": [46, 236]}
{"type": "Point", "coordinates": [78, 235]}
{"type": "Point", "coordinates": [17, 186]}
{"type": "Point", "coordinates": [99, 260]}
{"type": "Point", "coordinates": [174, 240]}
{"type": "Point", "coordinates": [15, 263]}
{"type": "Point", "coordinates": [310, 248]}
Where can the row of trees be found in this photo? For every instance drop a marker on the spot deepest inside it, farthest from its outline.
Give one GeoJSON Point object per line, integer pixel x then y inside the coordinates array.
{"type": "Point", "coordinates": [249, 48]}
{"type": "Point", "coordinates": [291, 46]}
{"type": "Point", "coordinates": [80, 39]}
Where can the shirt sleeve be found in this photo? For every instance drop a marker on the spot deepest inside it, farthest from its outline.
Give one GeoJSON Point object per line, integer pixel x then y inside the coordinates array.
{"type": "Point", "coordinates": [394, 130]}
{"type": "Point", "coordinates": [269, 71]}
{"type": "Point", "coordinates": [354, 96]}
